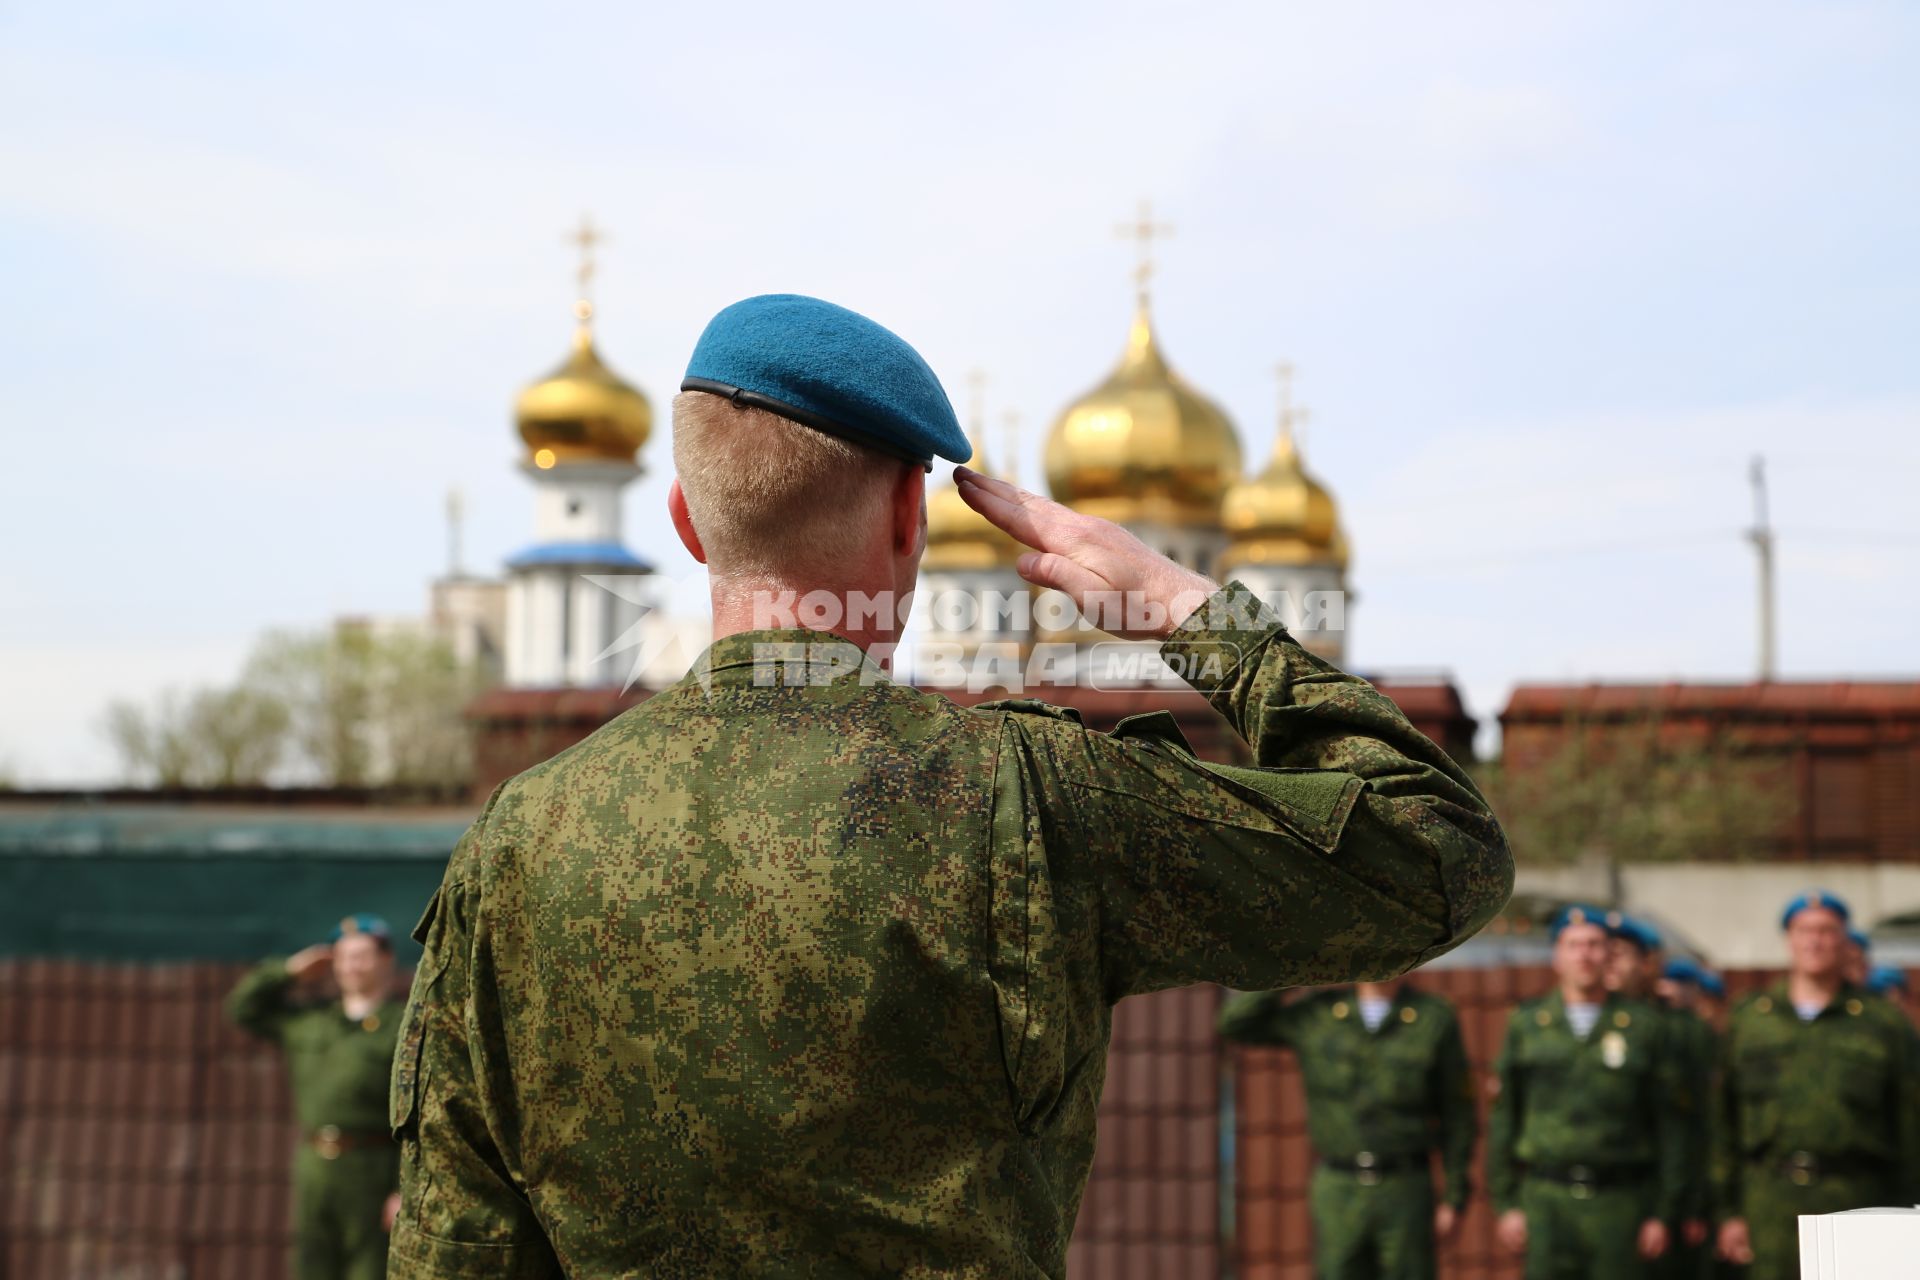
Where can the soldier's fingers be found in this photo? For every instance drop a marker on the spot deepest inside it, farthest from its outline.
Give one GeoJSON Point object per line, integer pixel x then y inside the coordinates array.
{"type": "Point", "coordinates": [1037, 521]}
{"type": "Point", "coordinates": [1049, 569]}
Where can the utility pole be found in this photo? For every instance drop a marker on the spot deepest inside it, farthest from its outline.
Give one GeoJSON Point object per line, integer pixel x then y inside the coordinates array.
{"type": "Point", "coordinates": [455, 511]}
{"type": "Point", "coordinates": [1761, 535]}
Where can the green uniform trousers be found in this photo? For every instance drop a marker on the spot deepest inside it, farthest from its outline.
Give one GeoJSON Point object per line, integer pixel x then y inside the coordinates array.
{"type": "Point", "coordinates": [336, 1213]}
{"type": "Point", "coordinates": [1372, 1231]}
{"type": "Point", "coordinates": [1773, 1203]}
{"type": "Point", "coordinates": [1683, 1261]}
{"type": "Point", "coordinates": [1579, 1234]}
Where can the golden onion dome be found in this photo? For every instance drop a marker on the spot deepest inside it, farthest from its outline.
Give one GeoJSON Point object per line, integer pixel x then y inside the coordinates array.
{"type": "Point", "coordinates": [1282, 515]}
{"type": "Point", "coordinates": [1144, 445]}
{"type": "Point", "coordinates": [583, 410]}
{"type": "Point", "coordinates": [960, 539]}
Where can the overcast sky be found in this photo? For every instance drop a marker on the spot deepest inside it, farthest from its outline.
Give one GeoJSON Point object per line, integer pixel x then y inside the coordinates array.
{"type": "Point", "coordinates": [272, 276]}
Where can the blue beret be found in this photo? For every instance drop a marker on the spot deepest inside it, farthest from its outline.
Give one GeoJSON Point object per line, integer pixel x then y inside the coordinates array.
{"type": "Point", "coordinates": [371, 925]}
{"type": "Point", "coordinates": [1579, 913]}
{"type": "Point", "coordinates": [1632, 929]}
{"type": "Point", "coordinates": [1885, 978]}
{"type": "Point", "coordinates": [1859, 939]}
{"type": "Point", "coordinates": [830, 369]}
{"type": "Point", "coordinates": [1682, 969]}
{"type": "Point", "coordinates": [1817, 898]}
{"type": "Point", "coordinates": [1713, 984]}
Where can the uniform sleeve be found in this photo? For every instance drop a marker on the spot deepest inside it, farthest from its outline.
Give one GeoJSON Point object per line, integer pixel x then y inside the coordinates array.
{"type": "Point", "coordinates": [1351, 848]}
{"type": "Point", "coordinates": [1724, 1131]}
{"type": "Point", "coordinates": [1503, 1125]}
{"type": "Point", "coordinates": [1454, 1103]}
{"type": "Point", "coordinates": [464, 1211]}
{"type": "Point", "coordinates": [1673, 1133]}
{"type": "Point", "coordinates": [258, 1004]}
{"type": "Point", "coordinates": [1260, 1017]}
{"type": "Point", "coordinates": [1700, 1097]}
{"type": "Point", "coordinates": [1906, 1104]}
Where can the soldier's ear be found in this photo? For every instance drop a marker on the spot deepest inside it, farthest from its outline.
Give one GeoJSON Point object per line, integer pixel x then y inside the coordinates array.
{"type": "Point", "coordinates": [909, 511]}
{"type": "Point", "coordinates": [683, 522]}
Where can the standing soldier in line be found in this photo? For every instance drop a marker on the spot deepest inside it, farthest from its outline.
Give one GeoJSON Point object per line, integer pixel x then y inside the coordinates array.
{"type": "Point", "coordinates": [1387, 1086]}
{"type": "Point", "coordinates": [1637, 970]}
{"type": "Point", "coordinates": [796, 970]}
{"type": "Point", "coordinates": [1585, 1148]}
{"type": "Point", "coordinates": [1890, 984]}
{"type": "Point", "coordinates": [340, 1059]}
{"type": "Point", "coordinates": [1817, 1108]}
{"type": "Point", "coordinates": [1859, 965]}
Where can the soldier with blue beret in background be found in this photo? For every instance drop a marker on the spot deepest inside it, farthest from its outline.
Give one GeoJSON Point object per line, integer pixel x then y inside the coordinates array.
{"type": "Point", "coordinates": [339, 1054]}
{"type": "Point", "coordinates": [1388, 1088]}
{"type": "Point", "coordinates": [1817, 1108]}
{"type": "Point", "coordinates": [1639, 970]}
{"type": "Point", "coordinates": [1586, 1149]}
{"type": "Point", "coordinates": [796, 970]}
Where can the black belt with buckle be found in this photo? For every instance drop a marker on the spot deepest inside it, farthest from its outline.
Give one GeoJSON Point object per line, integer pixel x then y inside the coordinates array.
{"type": "Point", "coordinates": [1368, 1167]}
{"type": "Point", "coordinates": [1804, 1168]}
{"type": "Point", "coordinates": [1585, 1180]}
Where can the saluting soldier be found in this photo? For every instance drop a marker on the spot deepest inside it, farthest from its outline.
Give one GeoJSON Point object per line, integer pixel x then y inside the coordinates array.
{"type": "Point", "coordinates": [1817, 1106]}
{"type": "Point", "coordinates": [1638, 970]}
{"type": "Point", "coordinates": [1388, 1087]}
{"type": "Point", "coordinates": [1585, 1148]}
{"type": "Point", "coordinates": [340, 1062]}
{"type": "Point", "coordinates": [795, 970]}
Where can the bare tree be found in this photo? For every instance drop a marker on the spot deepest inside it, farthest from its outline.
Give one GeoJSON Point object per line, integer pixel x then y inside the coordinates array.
{"type": "Point", "coordinates": [1639, 791]}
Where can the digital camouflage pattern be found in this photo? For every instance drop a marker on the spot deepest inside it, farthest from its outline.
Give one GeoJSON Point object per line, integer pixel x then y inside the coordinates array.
{"type": "Point", "coordinates": [1816, 1117]}
{"type": "Point", "coordinates": [1609, 1103]}
{"type": "Point", "coordinates": [1391, 1096]}
{"type": "Point", "coordinates": [796, 970]}
{"type": "Point", "coordinates": [340, 1071]}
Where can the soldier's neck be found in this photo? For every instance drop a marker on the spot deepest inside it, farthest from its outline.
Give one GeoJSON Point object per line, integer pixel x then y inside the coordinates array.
{"type": "Point", "coordinates": [1375, 990]}
{"type": "Point", "coordinates": [359, 1005]}
{"type": "Point", "coordinates": [1582, 995]}
{"type": "Point", "coordinates": [865, 613]}
{"type": "Point", "coordinates": [1810, 988]}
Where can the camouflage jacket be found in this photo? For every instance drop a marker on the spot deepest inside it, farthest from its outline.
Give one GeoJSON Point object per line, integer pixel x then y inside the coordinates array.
{"type": "Point", "coordinates": [339, 1069]}
{"type": "Point", "coordinates": [1402, 1090]}
{"type": "Point", "coordinates": [793, 969]}
{"type": "Point", "coordinates": [1611, 1101]}
{"type": "Point", "coordinates": [1840, 1088]}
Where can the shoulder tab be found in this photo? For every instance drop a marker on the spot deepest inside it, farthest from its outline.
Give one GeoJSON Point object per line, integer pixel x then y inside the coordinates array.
{"type": "Point", "coordinates": [1032, 707]}
{"type": "Point", "coordinates": [1155, 726]}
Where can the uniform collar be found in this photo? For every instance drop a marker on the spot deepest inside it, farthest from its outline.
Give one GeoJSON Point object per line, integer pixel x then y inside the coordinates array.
{"type": "Point", "coordinates": [780, 656]}
{"type": "Point", "coordinates": [1782, 1000]}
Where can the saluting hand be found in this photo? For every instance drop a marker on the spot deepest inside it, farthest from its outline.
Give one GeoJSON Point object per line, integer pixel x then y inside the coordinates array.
{"type": "Point", "coordinates": [1512, 1230]}
{"type": "Point", "coordinates": [1084, 555]}
{"type": "Point", "coordinates": [1446, 1220]}
{"type": "Point", "coordinates": [310, 962]}
{"type": "Point", "coordinates": [1653, 1238]}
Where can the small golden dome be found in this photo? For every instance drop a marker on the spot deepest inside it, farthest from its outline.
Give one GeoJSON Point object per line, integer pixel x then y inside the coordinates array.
{"type": "Point", "coordinates": [1283, 515]}
{"type": "Point", "coordinates": [1144, 445]}
{"type": "Point", "coordinates": [583, 410]}
{"type": "Point", "coordinates": [960, 539]}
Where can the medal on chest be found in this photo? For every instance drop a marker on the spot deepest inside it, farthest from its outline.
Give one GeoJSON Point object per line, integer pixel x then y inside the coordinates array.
{"type": "Point", "coordinates": [1613, 1050]}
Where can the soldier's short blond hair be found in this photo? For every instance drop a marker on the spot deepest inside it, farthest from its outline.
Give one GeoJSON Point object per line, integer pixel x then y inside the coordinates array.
{"type": "Point", "coordinates": [770, 497]}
